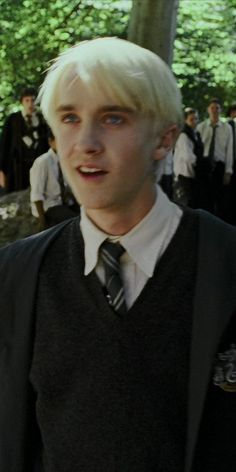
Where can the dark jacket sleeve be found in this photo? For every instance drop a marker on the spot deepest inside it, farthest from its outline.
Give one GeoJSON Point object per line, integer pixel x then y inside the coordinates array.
{"type": "Point", "coordinates": [6, 145]}
{"type": "Point", "coordinates": [17, 413]}
{"type": "Point", "coordinates": [19, 436]}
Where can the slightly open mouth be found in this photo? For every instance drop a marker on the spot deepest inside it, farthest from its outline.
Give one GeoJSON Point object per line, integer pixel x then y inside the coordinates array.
{"type": "Point", "coordinates": [91, 172]}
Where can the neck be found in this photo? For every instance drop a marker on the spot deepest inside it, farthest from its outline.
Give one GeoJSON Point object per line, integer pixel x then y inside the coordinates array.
{"type": "Point", "coordinates": [118, 222]}
{"type": "Point", "coordinates": [214, 121]}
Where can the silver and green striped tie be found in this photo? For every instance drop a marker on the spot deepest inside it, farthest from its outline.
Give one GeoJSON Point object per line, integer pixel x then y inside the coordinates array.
{"type": "Point", "coordinates": [110, 254]}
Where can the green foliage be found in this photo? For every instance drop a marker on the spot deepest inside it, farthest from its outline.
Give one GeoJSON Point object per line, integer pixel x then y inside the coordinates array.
{"type": "Point", "coordinates": [204, 51]}
{"type": "Point", "coordinates": [32, 32]}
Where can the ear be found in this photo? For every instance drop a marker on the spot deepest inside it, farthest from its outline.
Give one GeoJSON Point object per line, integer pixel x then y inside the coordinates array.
{"type": "Point", "coordinates": [166, 142]}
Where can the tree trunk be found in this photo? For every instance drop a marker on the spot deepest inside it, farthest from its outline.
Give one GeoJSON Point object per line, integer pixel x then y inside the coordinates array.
{"type": "Point", "coordinates": [153, 25]}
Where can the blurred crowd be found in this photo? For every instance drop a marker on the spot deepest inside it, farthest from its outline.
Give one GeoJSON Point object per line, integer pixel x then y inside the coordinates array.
{"type": "Point", "coordinates": [200, 172]}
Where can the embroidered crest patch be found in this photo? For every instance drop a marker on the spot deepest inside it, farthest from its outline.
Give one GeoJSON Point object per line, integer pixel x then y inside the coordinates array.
{"type": "Point", "coordinates": [225, 370]}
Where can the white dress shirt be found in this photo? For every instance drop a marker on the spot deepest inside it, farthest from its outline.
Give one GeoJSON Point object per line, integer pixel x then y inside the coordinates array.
{"type": "Point", "coordinates": [144, 245]}
{"type": "Point", "coordinates": [164, 166]}
{"type": "Point", "coordinates": [184, 157]}
{"type": "Point", "coordinates": [35, 123]}
{"type": "Point", "coordinates": [44, 181]}
{"type": "Point", "coordinates": [34, 118]}
{"type": "Point", "coordinates": [223, 142]}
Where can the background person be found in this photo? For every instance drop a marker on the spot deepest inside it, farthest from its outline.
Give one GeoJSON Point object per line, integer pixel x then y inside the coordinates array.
{"type": "Point", "coordinates": [187, 153]}
{"type": "Point", "coordinates": [51, 199]}
{"type": "Point", "coordinates": [217, 139]}
{"type": "Point", "coordinates": [166, 174]}
{"type": "Point", "coordinates": [23, 138]}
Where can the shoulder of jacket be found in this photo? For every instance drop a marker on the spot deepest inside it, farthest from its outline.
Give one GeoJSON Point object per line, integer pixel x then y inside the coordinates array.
{"type": "Point", "coordinates": [216, 230]}
{"type": "Point", "coordinates": [13, 117]}
{"type": "Point", "coordinates": [32, 247]}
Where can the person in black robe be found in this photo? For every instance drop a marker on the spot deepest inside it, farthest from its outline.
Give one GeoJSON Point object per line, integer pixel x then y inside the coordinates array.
{"type": "Point", "coordinates": [23, 138]}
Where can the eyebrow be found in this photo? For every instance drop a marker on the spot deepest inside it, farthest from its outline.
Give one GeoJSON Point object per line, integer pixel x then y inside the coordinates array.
{"type": "Point", "coordinates": [65, 108]}
{"type": "Point", "coordinates": [106, 108]}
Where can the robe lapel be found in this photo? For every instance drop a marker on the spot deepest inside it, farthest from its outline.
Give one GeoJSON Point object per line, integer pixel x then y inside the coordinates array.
{"type": "Point", "coordinates": [215, 302]}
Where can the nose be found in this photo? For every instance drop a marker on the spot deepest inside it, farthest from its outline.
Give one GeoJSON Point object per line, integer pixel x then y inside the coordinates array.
{"type": "Point", "coordinates": [88, 140]}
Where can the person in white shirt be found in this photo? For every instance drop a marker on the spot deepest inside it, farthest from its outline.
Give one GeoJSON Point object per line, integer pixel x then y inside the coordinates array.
{"type": "Point", "coordinates": [218, 150]}
{"type": "Point", "coordinates": [121, 320]}
{"type": "Point", "coordinates": [51, 199]}
{"type": "Point", "coordinates": [165, 177]}
{"type": "Point", "coordinates": [188, 150]}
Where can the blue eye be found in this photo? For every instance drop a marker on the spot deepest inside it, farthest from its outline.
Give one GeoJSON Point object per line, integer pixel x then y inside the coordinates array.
{"type": "Point", "coordinates": [70, 118]}
{"type": "Point", "coordinates": [113, 119]}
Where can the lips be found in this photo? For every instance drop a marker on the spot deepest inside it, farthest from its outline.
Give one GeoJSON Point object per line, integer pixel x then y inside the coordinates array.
{"type": "Point", "coordinates": [91, 172]}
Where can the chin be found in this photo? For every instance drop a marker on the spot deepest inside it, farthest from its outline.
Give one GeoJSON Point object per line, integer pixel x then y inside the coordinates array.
{"type": "Point", "coordinates": [95, 204]}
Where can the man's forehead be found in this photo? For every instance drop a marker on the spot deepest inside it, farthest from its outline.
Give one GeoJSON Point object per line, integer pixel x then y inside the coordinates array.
{"type": "Point", "coordinates": [71, 95]}
{"type": "Point", "coordinates": [103, 106]}
{"type": "Point", "coordinates": [214, 105]}
{"type": "Point", "coordinates": [28, 97]}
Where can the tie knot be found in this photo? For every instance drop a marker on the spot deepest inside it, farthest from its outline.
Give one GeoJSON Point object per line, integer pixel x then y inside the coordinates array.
{"type": "Point", "coordinates": [111, 252]}
{"type": "Point", "coordinates": [29, 119]}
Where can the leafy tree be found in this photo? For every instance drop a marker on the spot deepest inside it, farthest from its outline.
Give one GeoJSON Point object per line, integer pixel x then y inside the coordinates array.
{"type": "Point", "coordinates": [34, 31]}
{"type": "Point", "coordinates": [204, 52]}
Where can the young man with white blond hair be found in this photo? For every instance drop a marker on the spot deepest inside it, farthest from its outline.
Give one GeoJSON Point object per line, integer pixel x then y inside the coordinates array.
{"type": "Point", "coordinates": [110, 363]}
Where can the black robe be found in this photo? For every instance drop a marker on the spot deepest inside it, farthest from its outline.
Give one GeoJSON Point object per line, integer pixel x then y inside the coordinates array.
{"type": "Point", "coordinates": [214, 309]}
{"type": "Point", "coordinates": [16, 157]}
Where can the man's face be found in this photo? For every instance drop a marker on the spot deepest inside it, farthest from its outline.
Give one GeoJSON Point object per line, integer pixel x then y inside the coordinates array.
{"type": "Point", "coordinates": [214, 111]}
{"type": "Point", "coordinates": [106, 151]}
{"type": "Point", "coordinates": [192, 120]}
{"type": "Point", "coordinates": [28, 104]}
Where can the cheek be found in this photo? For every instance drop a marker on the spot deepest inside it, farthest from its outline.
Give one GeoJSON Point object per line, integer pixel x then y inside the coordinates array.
{"type": "Point", "coordinates": [63, 145]}
{"type": "Point", "coordinates": [60, 148]}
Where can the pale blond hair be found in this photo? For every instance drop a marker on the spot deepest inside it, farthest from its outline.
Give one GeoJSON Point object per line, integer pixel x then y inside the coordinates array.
{"type": "Point", "coordinates": [133, 76]}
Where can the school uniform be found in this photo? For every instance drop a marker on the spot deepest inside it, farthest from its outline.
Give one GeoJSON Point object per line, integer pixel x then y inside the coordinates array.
{"type": "Point", "coordinates": [48, 185]}
{"type": "Point", "coordinates": [187, 156]}
{"type": "Point", "coordinates": [90, 390]}
{"type": "Point", "coordinates": [22, 140]}
{"type": "Point", "coordinates": [218, 146]}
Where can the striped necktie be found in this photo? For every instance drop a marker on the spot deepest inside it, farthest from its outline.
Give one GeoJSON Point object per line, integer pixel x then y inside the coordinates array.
{"type": "Point", "coordinates": [29, 120]}
{"type": "Point", "coordinates": [211, 152]}
{"type": "Point", "coordinates": [110, 254]}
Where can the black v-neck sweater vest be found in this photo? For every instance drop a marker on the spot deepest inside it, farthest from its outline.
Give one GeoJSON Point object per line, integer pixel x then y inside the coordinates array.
{"type": "Point", "coordinates": [112, 391]}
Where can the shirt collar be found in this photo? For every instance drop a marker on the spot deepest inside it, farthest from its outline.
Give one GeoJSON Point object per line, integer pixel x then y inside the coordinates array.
{"type": "Point", "coordinates": [24, 114]}
{"type": "Point", "coordinates": [93, 238]}
{"type": "Point", "coordinates": [144, 243]}
{"type": "Point", "coordinates": [53, 155]}
{"type": "Point", "coordinates": [218, 123]}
